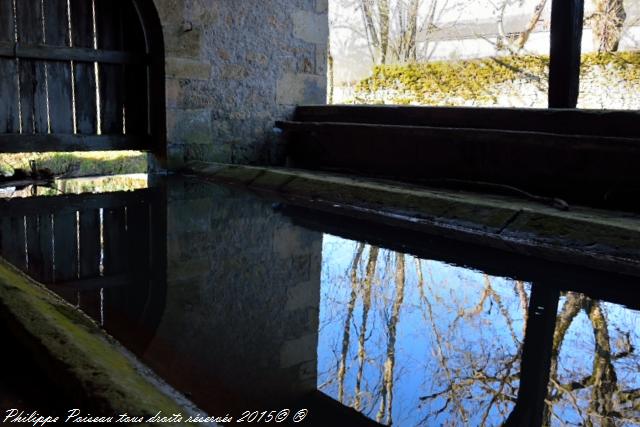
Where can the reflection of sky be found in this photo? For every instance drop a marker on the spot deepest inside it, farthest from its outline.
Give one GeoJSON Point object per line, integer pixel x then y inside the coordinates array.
{"type": "Point", "coordinates": [447, 338]}
{"type": "Point", "coordinates": [450, 345]}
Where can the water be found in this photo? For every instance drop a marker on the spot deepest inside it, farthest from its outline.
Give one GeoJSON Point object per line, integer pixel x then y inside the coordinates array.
{"type": "Point", "coordinates": [243, 303]}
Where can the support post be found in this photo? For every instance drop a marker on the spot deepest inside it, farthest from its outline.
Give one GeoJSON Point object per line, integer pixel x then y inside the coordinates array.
{"type": "Point", "coordinates": [567, 20]}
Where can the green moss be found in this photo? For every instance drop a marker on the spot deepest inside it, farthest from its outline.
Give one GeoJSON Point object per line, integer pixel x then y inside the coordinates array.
{"type": "Point", "coordinates": [450, 82]}
{"type": "Point", "coordinates": [84, 354]}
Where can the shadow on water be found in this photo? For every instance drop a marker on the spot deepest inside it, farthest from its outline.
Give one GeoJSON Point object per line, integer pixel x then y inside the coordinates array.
{"type": "Point", "coordinates": [247, 306]}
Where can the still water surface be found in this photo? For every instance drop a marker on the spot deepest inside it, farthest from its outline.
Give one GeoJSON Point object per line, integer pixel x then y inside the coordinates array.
{"type": "Point", "coordinates": [232, 302]}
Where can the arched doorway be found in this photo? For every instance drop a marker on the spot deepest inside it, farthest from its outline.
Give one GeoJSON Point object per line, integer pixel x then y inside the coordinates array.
{"type": "Point", "coordinates": [81, 75]}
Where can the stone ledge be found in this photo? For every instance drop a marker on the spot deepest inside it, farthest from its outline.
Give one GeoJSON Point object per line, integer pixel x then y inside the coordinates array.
{"type": "Point", "coordinates": [581, 236]}
{"type": "Point", "coordinates": [87, 364]}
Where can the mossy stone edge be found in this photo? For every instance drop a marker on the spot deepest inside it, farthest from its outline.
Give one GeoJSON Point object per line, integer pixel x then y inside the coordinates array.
{"type": "Point", "coordinates": [78, 355]}
{"type": "Point", "coordinates": [590, 234]}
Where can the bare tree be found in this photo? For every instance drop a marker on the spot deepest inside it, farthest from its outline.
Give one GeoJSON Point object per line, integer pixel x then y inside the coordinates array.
{"type": "Point", "coordinates": [376, 17]}
{"type": "Point", "coordinates": [607, 23]}
{"type": "Point", "coordinates": [407, 17]}
{"type": "Point", "coordinates": [394, 28]}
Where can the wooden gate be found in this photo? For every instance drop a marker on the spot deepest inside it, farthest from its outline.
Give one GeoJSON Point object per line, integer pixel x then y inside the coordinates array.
{"type": "Point", "coordinates": [77, 75]}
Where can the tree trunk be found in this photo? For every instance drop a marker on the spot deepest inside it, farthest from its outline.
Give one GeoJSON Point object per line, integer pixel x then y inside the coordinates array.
{"type": "Point", "coordinates": [410, 54]}
{"type": "Point", "coordinates": [385, 29]}
{"type": "Point", "coordinates": [523, 38]}
{"type": "Point", "coordinates": [607, 23]}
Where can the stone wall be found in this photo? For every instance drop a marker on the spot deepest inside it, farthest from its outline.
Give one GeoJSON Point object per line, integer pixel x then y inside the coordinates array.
{"type": "Point", "coordinates": [242, 304]}
{"type": "Point", "coordinates": [604, 85]}
{"type": "Point", "coordinates": [233, 67]}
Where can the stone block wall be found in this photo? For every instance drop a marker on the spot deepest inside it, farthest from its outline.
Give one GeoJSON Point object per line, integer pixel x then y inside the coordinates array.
{"type": "Point", "coordinates": [233, 67]}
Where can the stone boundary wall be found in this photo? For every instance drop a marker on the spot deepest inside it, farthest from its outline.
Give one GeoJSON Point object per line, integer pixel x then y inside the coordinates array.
{"type": "Point", "coordinates": [234, 67]}
{"type": "Point", "coordinates": [603, 86]}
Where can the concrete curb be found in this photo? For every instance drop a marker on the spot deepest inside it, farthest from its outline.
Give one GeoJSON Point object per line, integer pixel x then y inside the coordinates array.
{"type": "Point", "coordinates": [580, 236]}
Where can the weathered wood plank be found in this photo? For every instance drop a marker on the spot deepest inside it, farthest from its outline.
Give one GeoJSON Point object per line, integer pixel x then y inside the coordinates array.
{"type": "Point", "coordinates": [58, 73]}
{"type": "Point", "coordinates": [561, 121]}
{"type": "Point", "coordinates": [579, 168]}
{"type": "Point", "coordinates": [116, 250]}
{"type": "Point", "coordinates": [12, 240]}
{"type": "Point", "coordinates": [71, 203]}
{"type": "Point", "coordinates": [109, 33]}
{"type": "Point", "coordinates": [46, 246]}
{"type": "Point", "coordinates": [7, 48]}
{"type": "Point", "coordinates": [136, 98]}
{"type": "Point", "coordinates": [89, 243]}
{"type": "Point", "coordinates": [138, 235]}
{"type": "Point", "coordinates": [84, 73]}
{"type": "Point", "coordinates": [9, 117]}
{"type": "Point", "coordinates": [65, 246]}
{"type": "Point", "coordinates": [34, 250]}
{"type": "Point", "coordinates": [567, 20]}
{"type": "Point", "coordinates": [15, 143]}
{"type": "Point", "coordinates": [33, 95]}
{"type": "Point", "coordinates": [78, 54]}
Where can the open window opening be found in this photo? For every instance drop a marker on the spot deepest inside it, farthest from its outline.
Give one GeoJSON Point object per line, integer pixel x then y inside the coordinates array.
{"type": "Point", "coordinates": [480, 53]}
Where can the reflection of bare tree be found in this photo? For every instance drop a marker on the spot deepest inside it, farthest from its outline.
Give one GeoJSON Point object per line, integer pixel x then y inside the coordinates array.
{"type": "Point", "coordinates": [366, 306]}
{"type": "Point", "coordinates": [473, 331]}
{"type": "Point", "coordinates": [491, 386]}
{"type": "Point", "coordinates": [608, 404]}
{"type": "Point", "coordinates": [342, 369]}
{"type": "Point", "coordinates": [386, 402]}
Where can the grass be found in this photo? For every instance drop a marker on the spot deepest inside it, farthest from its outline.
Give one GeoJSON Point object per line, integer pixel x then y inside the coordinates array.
{"type": "Point", "coordinates": [82, 164]}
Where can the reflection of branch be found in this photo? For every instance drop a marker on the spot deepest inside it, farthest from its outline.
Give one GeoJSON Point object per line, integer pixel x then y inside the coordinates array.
{"type": "Point", "coordinates": [498, 393]}
{"type": "Point", "coordinates": [366, 305]}
{"type": "Point", "coordinates": [524, 304]}
{"type": "Point", "coordinates": [386, 404]}
{"type": "Point", "coordinates": [572, 306]}
{"type": "Point", "coordinates": [454, 396]}
{"type": "Point", "coordinates": [605, 396]}
{"type": "Point", "coordinates": [604, 375]}
{"type": "Point", "coordinates": [347, 323]}
{"type": "Point", "coordinates": [574, 402]}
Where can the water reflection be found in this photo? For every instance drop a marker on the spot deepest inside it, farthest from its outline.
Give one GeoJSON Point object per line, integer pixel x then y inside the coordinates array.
{"type": "Point", "coordinates": [418, 342]}
{"type": "Point", "coordinates": [103, 253]}
{"type": "Point", "coordinates": [237, 306]}
{"type": "Point", "coordinates": [595, 364]}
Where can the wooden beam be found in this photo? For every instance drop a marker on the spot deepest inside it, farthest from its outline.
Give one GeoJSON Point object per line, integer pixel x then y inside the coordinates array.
{"type": "Point", "coordinates": [77, 54]}
{"type": "Point", "coordinates": [430, 134]}
{"type": "Point", "coordinates": [12, 208]}
{"type": "Point", "coordinates": [579, 169]}
{"type": "Point", "coordinates": [38, 143]}
{"type": "Point", "coordinates": [561, 121]}
{"type": "Point", "coordinates": [567, 20]}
